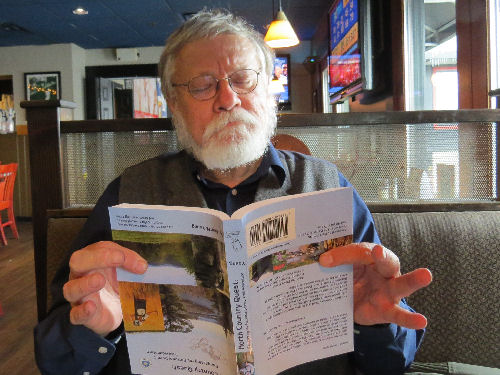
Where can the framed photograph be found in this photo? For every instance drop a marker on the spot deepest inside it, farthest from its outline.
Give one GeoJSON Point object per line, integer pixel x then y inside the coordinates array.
{"type": "Point", "coordinates": [42, 86]}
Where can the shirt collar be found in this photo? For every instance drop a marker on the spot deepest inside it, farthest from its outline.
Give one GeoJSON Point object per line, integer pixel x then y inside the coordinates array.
{"type": "Point", "coordinates": [270, 159]}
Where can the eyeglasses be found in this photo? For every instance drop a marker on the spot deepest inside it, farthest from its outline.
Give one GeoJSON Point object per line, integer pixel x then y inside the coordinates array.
{"type": "Point", "coordinates": [205, 87]}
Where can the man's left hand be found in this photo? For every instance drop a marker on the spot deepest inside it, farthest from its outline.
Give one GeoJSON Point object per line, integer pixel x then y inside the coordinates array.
{"type": "Point", "coordinates": [378, 284]}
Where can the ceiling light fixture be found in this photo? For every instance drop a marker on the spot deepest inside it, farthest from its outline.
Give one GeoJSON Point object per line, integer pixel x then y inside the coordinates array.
{"type": "Point", "coordinates": [80, 11]}
{"type": "Point", "coordinates": [280, 33]}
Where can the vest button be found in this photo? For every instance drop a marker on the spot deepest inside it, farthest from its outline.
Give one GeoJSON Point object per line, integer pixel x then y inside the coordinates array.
{"type": "Point", "coordinates": [102, 350]}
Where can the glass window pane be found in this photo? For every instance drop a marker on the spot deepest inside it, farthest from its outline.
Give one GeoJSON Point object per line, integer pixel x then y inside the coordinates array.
{"type": "Point", "coordinates": [430, 55]}
{"type": "Point", "coordinates": [494, 17]}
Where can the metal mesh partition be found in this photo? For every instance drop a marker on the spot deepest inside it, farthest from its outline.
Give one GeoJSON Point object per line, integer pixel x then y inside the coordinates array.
{"type": "Point", "coordinates": [390, 162]}
{"type": "Point", "coordinates": [410, 163]}
{"type": "Point", "coordinates": [93, 160]}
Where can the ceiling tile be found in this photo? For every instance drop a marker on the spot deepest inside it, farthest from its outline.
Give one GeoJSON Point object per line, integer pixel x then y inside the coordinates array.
{"type": "Point", "coordinates": [135, 23]}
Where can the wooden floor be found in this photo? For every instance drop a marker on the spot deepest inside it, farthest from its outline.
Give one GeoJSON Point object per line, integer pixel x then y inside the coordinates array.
{"type": "Point", "coordinates": [18, 302]}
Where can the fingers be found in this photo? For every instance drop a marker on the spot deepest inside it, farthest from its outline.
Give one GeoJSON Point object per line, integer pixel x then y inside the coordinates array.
{"type": "Point", "coordinates": [105, 254]}
{"type": "Point", "coordinates": [410, 282]}
{"type": "Point", "coordinates": [389, 313]}
{"type": "Point", "coordinates": [83, 313]}
{"type": "Point", "coordinates": [405, 318]}
{"type": "Point", "coordinates": [349, 254]}
{"type": "Point", "coordinates": [77, 289]}
{"type": "Point", "coordinates": [92, 265]}
{"type": "Point", "coordinates": [386, 262]}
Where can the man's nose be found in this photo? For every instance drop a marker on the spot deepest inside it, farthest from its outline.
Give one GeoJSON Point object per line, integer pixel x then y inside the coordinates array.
{"type": "Point", "coordinates": [225, 99]}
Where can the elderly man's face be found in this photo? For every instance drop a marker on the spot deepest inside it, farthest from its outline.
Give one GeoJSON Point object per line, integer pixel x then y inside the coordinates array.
{"type": "Point", "coordinates": [230, 129]}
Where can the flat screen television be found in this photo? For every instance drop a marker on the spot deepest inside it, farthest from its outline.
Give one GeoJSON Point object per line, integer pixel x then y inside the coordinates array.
{"type": "Point", "coordinates": [360, 55]}
{"type": "Point", "coordinates": [281, 74]}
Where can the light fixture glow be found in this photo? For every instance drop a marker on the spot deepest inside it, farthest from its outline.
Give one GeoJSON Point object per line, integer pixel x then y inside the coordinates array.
{"type": "Point", "coordinates": [276, 87]}
{"type": "Point", "coordinates": [280, 33]}
{"type": "Point", "coordinates": [80, 11]}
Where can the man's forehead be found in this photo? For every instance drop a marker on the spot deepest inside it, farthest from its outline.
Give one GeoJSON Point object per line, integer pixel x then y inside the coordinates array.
{"type": "Point", "coordinates": [221, 52]}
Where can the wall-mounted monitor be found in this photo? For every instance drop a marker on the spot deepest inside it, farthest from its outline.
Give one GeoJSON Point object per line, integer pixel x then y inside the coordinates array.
{"type": "Point", "coordinates": [360, 49]}
{"type": "Point", "coordinates": [282, 81]}
{"type": "Point", "coordinates": [345, 49]}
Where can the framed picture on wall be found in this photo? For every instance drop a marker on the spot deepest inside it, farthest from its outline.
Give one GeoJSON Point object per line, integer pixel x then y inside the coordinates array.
{"type": "Point", "coordinates": [42, 86]}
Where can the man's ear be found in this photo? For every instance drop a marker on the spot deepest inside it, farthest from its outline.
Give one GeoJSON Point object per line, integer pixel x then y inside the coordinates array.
{"type": "Point", "coordinates": [171, 103]}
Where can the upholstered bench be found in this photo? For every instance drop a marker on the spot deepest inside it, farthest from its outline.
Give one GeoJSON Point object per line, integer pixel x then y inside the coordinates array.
{"type": "Point", "coordinates": [462, 249]}
{"type": "Point", "coordinates": [462, 304]}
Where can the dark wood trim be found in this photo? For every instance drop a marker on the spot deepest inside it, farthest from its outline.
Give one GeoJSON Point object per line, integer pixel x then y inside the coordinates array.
{"type": "Point", "coordinates": [395, 117]}
{"type": "Point", "coordinates": [464, 54]}
{"type": "Point", "coordinates": [432, 207]}
{"type": "Point", "coordinates": [398, 67]}
{"type": "Point", "coordinates": [47, 104]}
{"type": "Point", "coordinates": [69, 212]}
{"type": "Point", "coordinates": [117, 125]}
{"type": "Point", "coordinates": [47, 190]}
{"type": "Point", "coordinates": [301, 120]}
{"type": "Point", "coordinates": [480, 62]}
{"type": "Point", "coordinates": [472, 53]}
{"type": "Point", "coordinates": [374, 208]}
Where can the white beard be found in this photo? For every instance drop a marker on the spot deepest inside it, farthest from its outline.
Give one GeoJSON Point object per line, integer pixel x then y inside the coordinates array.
{"type": "Point", "coordinates": [225, 147]}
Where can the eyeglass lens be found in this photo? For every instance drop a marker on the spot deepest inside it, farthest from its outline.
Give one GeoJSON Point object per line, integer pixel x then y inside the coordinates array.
{"type": "Point", "coordinates": [205, 86]}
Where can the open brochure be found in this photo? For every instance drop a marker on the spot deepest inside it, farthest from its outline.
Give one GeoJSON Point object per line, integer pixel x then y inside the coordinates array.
{"type": "Point", "coordinates": [236, 295]}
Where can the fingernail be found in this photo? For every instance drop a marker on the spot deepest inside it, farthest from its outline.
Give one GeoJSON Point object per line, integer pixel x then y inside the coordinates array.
{"type": "Point", "coordinates": [140, 266]}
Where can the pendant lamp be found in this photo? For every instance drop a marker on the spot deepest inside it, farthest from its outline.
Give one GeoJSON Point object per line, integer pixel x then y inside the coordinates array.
{"type": "Point", "coordinates": [280, 33]}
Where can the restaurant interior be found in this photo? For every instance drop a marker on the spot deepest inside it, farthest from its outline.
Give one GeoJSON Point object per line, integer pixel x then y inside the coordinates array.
{"type": "Point", "coordinates": [401, 95]}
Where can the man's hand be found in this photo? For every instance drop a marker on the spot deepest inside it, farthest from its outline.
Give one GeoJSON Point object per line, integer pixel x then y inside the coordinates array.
{"type": "Point", "coordinates": [92, 288]}
{"type": "Point", "coordinates": [378, 284]}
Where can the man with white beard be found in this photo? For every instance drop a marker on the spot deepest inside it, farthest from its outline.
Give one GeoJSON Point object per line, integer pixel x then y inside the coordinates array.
{"type": "Point", "coordinates": [215, 72]}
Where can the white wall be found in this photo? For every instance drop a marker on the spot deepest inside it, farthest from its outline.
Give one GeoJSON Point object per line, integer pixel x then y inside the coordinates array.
{"type": "Point", "coordinates": [98, 57]}
{"type": "Point", "coordinates": [78, 60]}
{"type": "Point", "coordinates": [71, 60]}
{"type": "Point", "coordinates": [16, 61]}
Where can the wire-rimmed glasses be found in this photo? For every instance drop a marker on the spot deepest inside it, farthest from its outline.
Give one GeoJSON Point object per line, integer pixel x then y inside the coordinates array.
{"type": "Point", "coordinates": [204, 87]}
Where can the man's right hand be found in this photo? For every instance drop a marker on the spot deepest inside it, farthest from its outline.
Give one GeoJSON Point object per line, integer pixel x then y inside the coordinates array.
{"type": "Point", "coordinates": [92, 288]}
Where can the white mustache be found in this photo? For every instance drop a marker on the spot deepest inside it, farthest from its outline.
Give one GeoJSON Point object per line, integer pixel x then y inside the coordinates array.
{"type": "Point", "coordinates": [236, 115]}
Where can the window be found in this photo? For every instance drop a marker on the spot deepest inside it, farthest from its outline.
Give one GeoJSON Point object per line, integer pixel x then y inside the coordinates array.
{"type": "Point", "coordinates": [430, 54]}
{"type": "Point", "coordinates": [494, 48]}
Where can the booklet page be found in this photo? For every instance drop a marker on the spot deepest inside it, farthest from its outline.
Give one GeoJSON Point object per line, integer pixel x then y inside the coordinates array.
{"type": "Point", "coordinates": [177, 315]}
{"type": "Point", "coordinates": [299, 311]}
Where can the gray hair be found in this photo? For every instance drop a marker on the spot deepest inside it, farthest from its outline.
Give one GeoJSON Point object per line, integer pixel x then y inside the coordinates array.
{"type": "Point", "coordinates": [208, 24]}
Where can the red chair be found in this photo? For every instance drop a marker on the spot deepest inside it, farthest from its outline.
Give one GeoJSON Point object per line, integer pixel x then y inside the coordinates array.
{"type": "Point", "coordinates": [290, 143]}
{"type": "Point", "coordinates": [7, 178]}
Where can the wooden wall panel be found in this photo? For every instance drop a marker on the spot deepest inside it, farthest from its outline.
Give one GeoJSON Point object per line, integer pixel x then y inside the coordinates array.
{"type": "Point", "coordinates": [472, 55]}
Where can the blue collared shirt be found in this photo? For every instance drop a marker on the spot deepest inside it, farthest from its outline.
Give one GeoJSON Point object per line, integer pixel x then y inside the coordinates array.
{"type": "Point", "coordinates": [223, 198]}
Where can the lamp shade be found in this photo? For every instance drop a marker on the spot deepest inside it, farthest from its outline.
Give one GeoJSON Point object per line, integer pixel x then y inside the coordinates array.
{"type": "Point", "coordinates": [280, 33]}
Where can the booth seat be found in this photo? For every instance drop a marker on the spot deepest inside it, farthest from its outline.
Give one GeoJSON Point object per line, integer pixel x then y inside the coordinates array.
{"type": "Point", "coordinates": [457, 240]}
{"type": "Point", "coordinates": [461, 304]}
